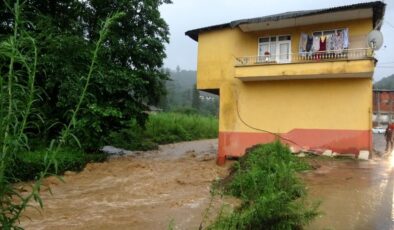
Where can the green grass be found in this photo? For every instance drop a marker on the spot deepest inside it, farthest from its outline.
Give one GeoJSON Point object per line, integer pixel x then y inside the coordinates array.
{"type": "Point", "coordinates": [164, 128]}
{"type": "Point", "coordinates": [28, 165]}
{"type": "Point", "coordinates": [272, 195]}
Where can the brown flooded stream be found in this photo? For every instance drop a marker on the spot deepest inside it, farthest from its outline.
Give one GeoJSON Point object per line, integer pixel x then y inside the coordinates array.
{"type": "Point", "coordinates": [150, 191]}
{"type": "Point", "coordinates": [171, 186]}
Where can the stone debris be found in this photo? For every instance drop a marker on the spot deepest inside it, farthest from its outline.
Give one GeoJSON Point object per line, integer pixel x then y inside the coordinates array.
{"type": "Point", "coordinates": [113, 151]}
{"type": "Point", "coordinates": [294, 150]}
{"type": "Point", "coordinates": [327, 153]}
{"type": "Point", "coordinates": [363, 155]}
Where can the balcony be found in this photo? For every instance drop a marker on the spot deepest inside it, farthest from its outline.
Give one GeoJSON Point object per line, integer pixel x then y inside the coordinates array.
{"type": "Point", "coordinates": [349, 63]}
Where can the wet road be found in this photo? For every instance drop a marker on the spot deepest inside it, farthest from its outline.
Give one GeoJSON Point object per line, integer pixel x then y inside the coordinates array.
{"type": "Point", "coordinates": [354, 194]}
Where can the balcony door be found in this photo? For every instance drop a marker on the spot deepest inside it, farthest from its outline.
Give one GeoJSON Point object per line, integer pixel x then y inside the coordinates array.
{"type": "Point", "coordinates": [275, 48]}
{"type": "Point", "coordinates": [283, 52]}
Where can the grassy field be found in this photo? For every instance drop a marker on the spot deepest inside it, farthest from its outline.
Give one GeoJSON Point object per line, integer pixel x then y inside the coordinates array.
{"type": "Point", "coordinates": [164, 128]}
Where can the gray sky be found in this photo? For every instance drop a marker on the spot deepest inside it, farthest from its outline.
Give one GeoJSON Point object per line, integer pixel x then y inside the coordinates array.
{"type": "Point", "coordinates": [185, 15]}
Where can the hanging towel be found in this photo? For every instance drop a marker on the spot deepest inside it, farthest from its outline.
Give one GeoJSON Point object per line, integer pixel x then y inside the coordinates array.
{"type": "Point", "coordinates": [330, 42]}
{"type": "Point", "coordinates": [323, 43]}
{"type": "Point", "coordinates": [303, 41]}
{"type": "Point", "coordinates": [346, 38]}
{"type": "Point", "coordinates": [309, 43]}
{"type": "Point", "coordinates": [316, 43]}
{"type": "Point", "coordinates": [339, 42]}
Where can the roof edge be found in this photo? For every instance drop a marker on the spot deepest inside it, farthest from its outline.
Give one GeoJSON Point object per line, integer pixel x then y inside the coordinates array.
{"type": "Point", "coordinates": [378, 8]}
{"type": "Point", "coordinates": [193, 34]}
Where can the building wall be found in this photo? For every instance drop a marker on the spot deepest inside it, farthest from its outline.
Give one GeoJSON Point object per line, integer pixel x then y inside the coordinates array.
{"type": "Point", "coordinates": [313, 113]}
{"type": "Point", "coordinates": [386, 101]}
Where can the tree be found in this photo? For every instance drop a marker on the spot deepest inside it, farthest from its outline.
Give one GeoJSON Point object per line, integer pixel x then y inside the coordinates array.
{"type": "Point", "coordinates": [196, 102]}
{"type": "Point", "coordinates": [385, 83]}
{"type": "Point", "coordinates": [128, 77]}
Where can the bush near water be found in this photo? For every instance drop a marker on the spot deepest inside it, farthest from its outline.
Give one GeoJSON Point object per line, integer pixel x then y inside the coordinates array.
{"type": "Point", "coordinates": [272, 196]}
{"type": "Point", "coordinates": [164, 128]}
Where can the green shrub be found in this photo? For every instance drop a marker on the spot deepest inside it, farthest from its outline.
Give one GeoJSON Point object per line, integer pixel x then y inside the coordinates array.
{"type": "Point", "coordinates": [272, 196]}
{"type": "Point", "coordinates": [185, 110]}
{"type": "Point", "coordinates": [164, 128]}
{"type": "Point", "coordinates": [28, 165]}
{"type": "Point", "coordinates": [132, 138]}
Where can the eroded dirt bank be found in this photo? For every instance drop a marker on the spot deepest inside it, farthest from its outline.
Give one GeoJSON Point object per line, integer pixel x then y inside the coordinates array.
{"type": "Point", "coordinates": [134, 192]}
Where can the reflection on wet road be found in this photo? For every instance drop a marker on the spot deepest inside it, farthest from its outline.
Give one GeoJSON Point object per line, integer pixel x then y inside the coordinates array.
{"type": "Point", "coordinates": [354, 194]}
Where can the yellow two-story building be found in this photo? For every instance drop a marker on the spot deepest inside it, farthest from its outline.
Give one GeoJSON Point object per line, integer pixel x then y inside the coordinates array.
{"type": "Point", "coordinates": [304, 77]}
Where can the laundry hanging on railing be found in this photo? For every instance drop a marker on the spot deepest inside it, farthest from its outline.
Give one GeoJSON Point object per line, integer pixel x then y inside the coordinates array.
{"type": "Point", "coordinates": [303, 42]}
{"type": "Point", "coordinates": [316, 44]}
{"type": "Point", "coordinates": [346, 38]}
{"type": "Point", "coordinates": [309, 43]}
{"type": "Point", "coordinates": [335, 42]}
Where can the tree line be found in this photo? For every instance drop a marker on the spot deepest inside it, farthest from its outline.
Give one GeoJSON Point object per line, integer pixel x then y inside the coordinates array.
{"type": "Point", "coordinates": [128, 76]}
{"type": "Point", "coordinates": [182, 95]}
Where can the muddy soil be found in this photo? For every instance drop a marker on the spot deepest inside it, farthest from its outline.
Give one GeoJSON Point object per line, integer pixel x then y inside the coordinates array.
{"type": "Point", "coordinates": [143, 191]}
{"type": "Point", "coordinates": [156, 189]}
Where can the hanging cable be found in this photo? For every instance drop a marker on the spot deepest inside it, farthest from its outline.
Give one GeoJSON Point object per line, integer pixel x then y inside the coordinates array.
{"type": "Point", "coordinates": [385, 67]}
{"type": "Point", "coordinates": [388, 23]}
{"type": "Point", "coordinates": [262, 130]}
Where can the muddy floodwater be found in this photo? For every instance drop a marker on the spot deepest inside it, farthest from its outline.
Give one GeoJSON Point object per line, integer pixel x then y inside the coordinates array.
{"type": "Point", "coordinates": [152, 190]}
{"type": "Point", "coordinates": [156, 189]}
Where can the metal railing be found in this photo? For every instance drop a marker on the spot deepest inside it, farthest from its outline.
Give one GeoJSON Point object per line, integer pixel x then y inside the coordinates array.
{"type": "Point", "coordinates": [345, 54]}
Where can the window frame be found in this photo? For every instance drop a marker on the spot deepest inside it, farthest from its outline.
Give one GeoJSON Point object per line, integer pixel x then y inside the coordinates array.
{"type": "Point", "coordinates": [322, 31]}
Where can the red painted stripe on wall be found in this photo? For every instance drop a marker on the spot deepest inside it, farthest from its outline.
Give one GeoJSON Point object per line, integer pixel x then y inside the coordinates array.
{"type": "Point", "coordinates": [341, 141]}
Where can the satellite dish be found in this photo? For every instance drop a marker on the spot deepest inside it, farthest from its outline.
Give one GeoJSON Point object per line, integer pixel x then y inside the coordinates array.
{"type": "Point", "coordinates": [375, 39]}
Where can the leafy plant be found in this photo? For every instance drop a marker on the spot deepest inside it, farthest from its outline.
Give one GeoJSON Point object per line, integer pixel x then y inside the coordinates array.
{"type": "Point", "coordinates": [28, 165]}
{"type": "Point", "coordinates": [127, 76]}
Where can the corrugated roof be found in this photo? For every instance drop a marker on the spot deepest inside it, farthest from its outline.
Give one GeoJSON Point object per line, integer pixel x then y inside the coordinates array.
{"type": "Point", "coordinates": [377, 6]}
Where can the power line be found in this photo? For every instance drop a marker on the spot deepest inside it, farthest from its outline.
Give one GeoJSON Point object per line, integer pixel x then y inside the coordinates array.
{"type": "Point", "coordinates": [388, 23]}
{"type": "Point", "coordinates": [262, 130]}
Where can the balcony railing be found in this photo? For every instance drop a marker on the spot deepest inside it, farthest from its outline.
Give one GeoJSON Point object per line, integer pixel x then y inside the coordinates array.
{"type": "Point", "coordinates": [332, 55]}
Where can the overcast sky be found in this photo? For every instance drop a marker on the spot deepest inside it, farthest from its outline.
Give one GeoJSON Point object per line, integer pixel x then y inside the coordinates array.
{"type": "Point", "coordinates": [185, 15]}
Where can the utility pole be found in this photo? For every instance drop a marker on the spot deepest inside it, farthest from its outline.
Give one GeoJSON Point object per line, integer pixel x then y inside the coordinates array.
{"type": "Point", "coordinates": [391, 107]}
{"type": "Point", "coordinates": [378, 106]}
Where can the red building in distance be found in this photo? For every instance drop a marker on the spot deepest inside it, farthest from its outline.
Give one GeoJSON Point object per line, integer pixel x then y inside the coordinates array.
{"type": "Point", "coordinates": [383, 106]}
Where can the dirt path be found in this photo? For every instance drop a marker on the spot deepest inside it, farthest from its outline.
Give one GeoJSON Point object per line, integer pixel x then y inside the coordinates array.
{"type": "Point", "coordinates": [134, 192]}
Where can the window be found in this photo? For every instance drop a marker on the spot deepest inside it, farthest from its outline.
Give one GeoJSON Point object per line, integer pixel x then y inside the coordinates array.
{"type": "Point", "coordinates": [275, 49]}
{"type": "Point", "coordinates": [327, 32]}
